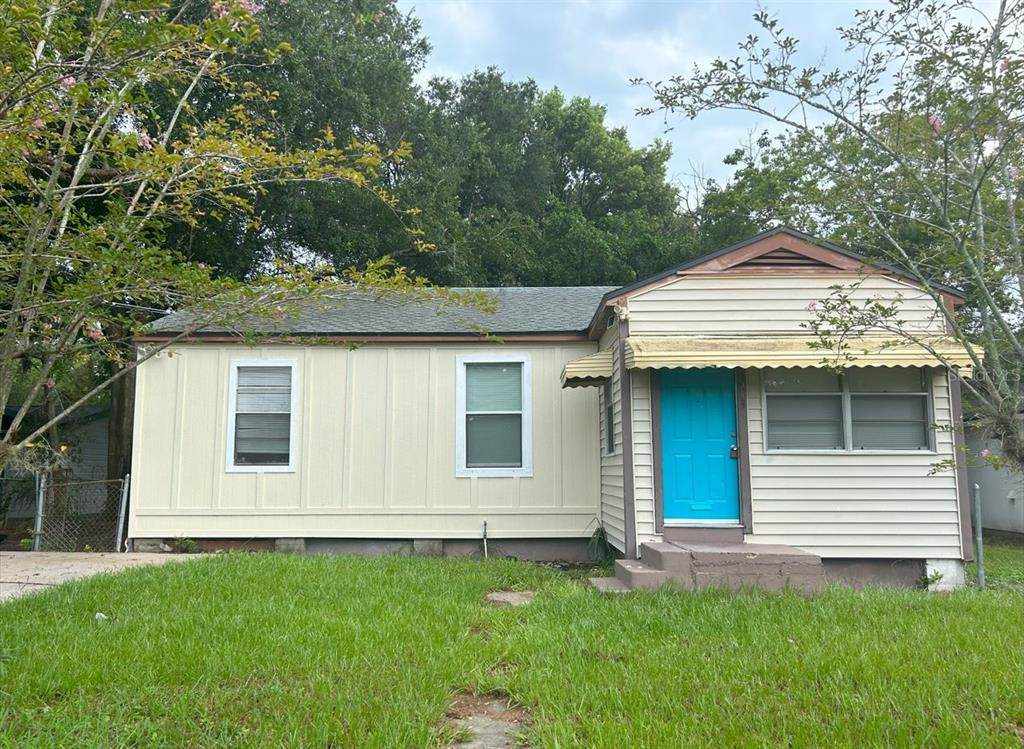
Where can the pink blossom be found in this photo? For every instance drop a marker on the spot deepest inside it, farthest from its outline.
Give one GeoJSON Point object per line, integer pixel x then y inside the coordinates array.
{"type": "Point", "coordinates": [202, 266]}
{"type": "Point", "coordinates": [219, 9]}
{"type": "Point", "coordinates": [813, 306]}
{"type": "Point", "coordinates": [38, 123]}
{"type": "Point", "coordinates": [985, 453]}
{"type": "Point", "coordinates": [145, 141]}
{"type": "Point", "coordinates": [936, 122]}
{"type": "Point", "coordinates": [251, 6]}
{"type": "Point", "coordinates": [94, 331]}
{"type": "Point", "coordinates": [1004, 65]}
{"type": "Point", "coordinates": [67, 82]}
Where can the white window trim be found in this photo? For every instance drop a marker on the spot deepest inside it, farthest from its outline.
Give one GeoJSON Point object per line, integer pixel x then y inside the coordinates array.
{"type": "Point", "coordinates": [848, 423]}
{"type": "Point", "coordinates": [229, 459]}
{"type": "Point", "coordinates": [461, 470]}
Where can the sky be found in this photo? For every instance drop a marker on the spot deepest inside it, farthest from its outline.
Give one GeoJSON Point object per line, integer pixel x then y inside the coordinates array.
{"type": "Point", "coordinates": [594, 47]}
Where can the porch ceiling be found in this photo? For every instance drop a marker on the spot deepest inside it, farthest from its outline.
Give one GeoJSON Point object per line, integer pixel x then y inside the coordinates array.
{"type": "Point", "coordinates": [589, 370]}
{"type": "Point", "coordinates": [792, 351]}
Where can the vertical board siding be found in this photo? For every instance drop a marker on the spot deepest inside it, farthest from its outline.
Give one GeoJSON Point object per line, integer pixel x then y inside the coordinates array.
{"type": "Point", "coordinates": [764, 304]}
{"type": "Point", "coordinates": [375, 442]}
{"type": "Point", "coordinates": [613, 502]}
{"type": "Point", "coordinates": [856, 504]}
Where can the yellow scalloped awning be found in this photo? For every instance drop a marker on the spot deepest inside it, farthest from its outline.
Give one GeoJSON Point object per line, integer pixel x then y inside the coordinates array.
{"type": "Point", "coordinates": [793, 351]}
{"type": "Point", "coordinates": [592, 369]}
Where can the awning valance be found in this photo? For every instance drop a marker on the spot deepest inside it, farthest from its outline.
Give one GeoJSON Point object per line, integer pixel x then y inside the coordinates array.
{"type": "Point", "coordinates": [791, 351]}
{"type": "Point", "coordinates": [592, 369]}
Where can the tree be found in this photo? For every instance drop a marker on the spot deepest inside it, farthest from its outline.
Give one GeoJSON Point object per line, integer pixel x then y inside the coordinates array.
{"type": "Point", "coordinates": [349, 69]}
{"type": "Point", "coordinates": [522, 187]}
{"type": "Point", "coordinates": [102, 145]}
{"type": "Point", "coordinates": [917, 146]}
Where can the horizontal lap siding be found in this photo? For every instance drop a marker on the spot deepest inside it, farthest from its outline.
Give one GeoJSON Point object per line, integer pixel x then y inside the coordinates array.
{"type": "Point", "coordinates": [375, 449]}
{"type": "Point", "coordinates": [856, 504]}
{"type": "Point", "coordinates": [762, 304]}
{"type": "Point", "coordinates": [613, 514]}
{"type": "Point", "coordinates": [643, 456]}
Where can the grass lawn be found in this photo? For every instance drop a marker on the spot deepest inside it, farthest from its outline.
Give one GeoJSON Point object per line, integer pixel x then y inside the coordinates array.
{"type": "Point", "coordinates": [1004, 564]}
{"type": "Point", "coordinates": [274, 650]}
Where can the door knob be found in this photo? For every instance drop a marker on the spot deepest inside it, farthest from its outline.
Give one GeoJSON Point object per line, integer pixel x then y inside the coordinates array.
{"type": "Point", "coordinates": [734, 452]}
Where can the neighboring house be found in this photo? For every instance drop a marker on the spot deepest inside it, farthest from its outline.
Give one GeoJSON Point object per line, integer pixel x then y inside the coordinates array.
{"type": "Point", "coordinates": [684, 414]}
{"type": "Point", "coordinates": [1002, 490]}
{"type": "Point", "coordinates": [85, 459]}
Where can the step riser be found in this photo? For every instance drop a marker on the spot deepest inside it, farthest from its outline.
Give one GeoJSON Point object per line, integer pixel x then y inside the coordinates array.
{"type": "Point", "coordinates": [698, 534]}
{"type": "Point", "coordinates": [666, 557]}
{"type": "Point", "coordinates": [773, 583]}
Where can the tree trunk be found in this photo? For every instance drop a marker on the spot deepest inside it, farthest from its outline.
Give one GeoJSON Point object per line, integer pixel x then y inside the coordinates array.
{"type": "Point", "coordinates": [119, 428]}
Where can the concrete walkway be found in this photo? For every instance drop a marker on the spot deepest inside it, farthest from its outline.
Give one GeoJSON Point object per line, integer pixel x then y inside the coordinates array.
{"type": "Point", "coordinates": [23, 572]}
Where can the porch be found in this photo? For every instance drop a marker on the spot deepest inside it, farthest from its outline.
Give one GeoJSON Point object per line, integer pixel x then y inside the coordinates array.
{"type": "Point", "coordinates": [761, 466]}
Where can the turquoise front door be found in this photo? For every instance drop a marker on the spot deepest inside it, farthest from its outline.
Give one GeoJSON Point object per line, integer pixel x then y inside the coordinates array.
{"type": "Point", "coordinates": [700, 483]}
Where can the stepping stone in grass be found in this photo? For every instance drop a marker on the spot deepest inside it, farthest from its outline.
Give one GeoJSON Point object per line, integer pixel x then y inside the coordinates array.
{"type": "Point", "coordinates": [510, 597]}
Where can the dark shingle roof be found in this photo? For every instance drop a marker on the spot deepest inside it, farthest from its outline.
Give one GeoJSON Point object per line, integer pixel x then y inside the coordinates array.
{"type": "Point", "coordinates": [534, 309]}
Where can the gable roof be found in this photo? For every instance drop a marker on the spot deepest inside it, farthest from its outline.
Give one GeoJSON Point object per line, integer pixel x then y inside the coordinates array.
{"type": "Point", "coordinates": [795, 249]}
{"type": "Point", "coordinates": [550, 310]}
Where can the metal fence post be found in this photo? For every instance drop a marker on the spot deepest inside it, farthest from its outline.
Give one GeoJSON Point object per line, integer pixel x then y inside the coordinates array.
{"type": "Point", "coordinates": [979, 549]}
{"type": "Point", "coordinates": [120, 511]}
{"type": "Point", "coordinates": [37, 530]}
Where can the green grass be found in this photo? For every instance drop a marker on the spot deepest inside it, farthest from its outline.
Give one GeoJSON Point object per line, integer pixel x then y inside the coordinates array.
{"type": "Point", "coordinates": [275, 650]}
{"type": "Point", "coordinates": [1004, 564]}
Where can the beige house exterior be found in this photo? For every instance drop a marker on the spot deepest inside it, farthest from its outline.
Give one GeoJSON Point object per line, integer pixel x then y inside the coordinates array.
{"type": "Point", "coordinates": [427, 437]}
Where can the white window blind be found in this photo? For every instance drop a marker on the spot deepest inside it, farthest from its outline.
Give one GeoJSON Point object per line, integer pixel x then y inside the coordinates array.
{"type": "Point", "coordinates": [494, 415]}
{"type": "Point", "coordinates": [263, 399]}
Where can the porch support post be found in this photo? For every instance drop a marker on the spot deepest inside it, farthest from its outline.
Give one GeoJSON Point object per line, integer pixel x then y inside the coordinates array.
{"type": "Point", "coordinates": [743, 447]}
{"type": "Point", "coordinates": [659, 489]}
{"type": "Point", "coordinates": [960, 448]}
{"type": "Point", "coordinates": [626, 404]}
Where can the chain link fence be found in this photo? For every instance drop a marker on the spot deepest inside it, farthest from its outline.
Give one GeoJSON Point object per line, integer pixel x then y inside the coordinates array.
{"type": "Point", "coordinates": [56, 512]}
{"type": "Point", "coordinates": [79, 515]}
{"type": "Point", "coordinates": [17, 511]}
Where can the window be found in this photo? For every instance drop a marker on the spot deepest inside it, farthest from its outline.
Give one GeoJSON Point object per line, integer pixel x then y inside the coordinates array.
{"type": "Point", "coordinates": [888, 409]}
{"type": "Point", "coordinates": [260, 419]}
{"type": "Point", "coordinates": [493, 424]}
{"type": "Point", "coordinates": [862, 409]}
{"type": "Point", "coordinates": [609, 419]}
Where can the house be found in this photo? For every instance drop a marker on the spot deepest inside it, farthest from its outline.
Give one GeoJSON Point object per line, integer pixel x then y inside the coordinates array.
{"type": "Point", "coordinates": [1001, 489]}
{"type": "Point", "coordinates": [685, 415]}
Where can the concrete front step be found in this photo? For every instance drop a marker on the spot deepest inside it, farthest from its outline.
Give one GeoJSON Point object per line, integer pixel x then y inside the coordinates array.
{"type": "Point", "coordinates": [636, 575]}
{"type": "Point", "coordinates": [695, 566]}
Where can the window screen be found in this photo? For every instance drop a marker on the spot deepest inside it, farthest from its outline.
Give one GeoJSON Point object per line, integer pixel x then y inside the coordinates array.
{"type": "Point", "coordinates": [888, 409]}
{"type": "Point", "coordinates": [494, 415]}
{"type": "Point", "coordinates": [804, 409]}
{"type": "Point", "coordinates": [879, 408]}
{"type": "Point", "coordinates": [263, 400]}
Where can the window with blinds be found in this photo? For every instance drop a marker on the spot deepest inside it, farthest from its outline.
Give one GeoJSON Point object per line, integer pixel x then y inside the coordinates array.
{"type": "Point", "coordinates": [262, 415]}
{"type": "Point", "coordinates": [879, 408]}
{"type": "Point", "coordinates": [493, 437]}
{"type": "Point", "coordinates": [494, 415]}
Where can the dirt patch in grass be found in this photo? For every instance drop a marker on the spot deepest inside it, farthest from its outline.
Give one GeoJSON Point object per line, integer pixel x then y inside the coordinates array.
{"type": "Point", "coordinates": [487, 721]}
